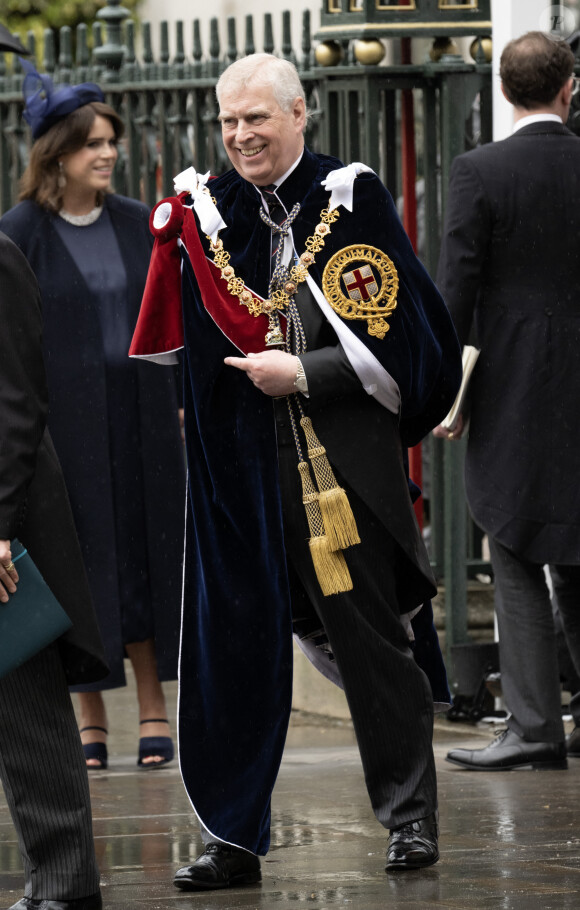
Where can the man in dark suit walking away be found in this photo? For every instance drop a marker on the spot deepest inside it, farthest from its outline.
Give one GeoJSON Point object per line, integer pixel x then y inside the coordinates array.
{"type": "Point", "coordinates": [510, 264]}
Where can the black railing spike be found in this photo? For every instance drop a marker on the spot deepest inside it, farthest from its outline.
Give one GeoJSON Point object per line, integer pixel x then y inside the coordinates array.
{"type": "Point", "coordinates": [82, 55]}
{"type": "Point", "coordinates": [130, 66]}
{"type": "Point", "coordinates": [306, 41]}
{"type": "Point", "coordinates": [147, 44]}
{"type": "Point", "coordinates": [163, 66]}
{"type": "Point", "coordinates": [214, 47]}
{"type": "Point", "coordinates": [232, 49]}
{"type": "Point", "coordinates": [31, 44]}
{"type": "Point", "coordinates": [197, 49]}
{"type": "Point", "coordinates": [49, 53]}
{"type": "Point", "coordinates": [268, 34]}
{"type": "Point", "coordinates": [65, 55]}
{"type": "Point", "coordinates": [164, 42]}
{"type": "Point", "coordinates": [287, 52]}
{"type": "Point", "coordinates": [249, 47]}
{"type": "Point", "coordinates": [179, 58]}
{"type": "Point", "coordinates": [130, 43]}
{"type": "Point", "coordinates": [96, 67]}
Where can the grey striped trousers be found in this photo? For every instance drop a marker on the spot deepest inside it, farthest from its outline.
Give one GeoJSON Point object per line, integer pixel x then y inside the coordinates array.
{"type": "Point", "coordinates": [43, 772]}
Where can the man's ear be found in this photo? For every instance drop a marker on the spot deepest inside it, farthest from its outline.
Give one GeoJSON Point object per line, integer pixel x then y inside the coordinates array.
{"type": "Point", "coordinates": [565, 93]}
{"type": "Point", "coordinates": [299, 112]}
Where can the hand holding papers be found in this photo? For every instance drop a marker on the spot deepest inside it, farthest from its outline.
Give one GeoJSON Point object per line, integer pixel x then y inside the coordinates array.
{"type": "Point", "coordinates": [470, 355]}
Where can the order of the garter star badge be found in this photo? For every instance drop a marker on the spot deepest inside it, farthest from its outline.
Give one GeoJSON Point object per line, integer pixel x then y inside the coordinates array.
{"type": "Point", "coordinates": [361, 282]}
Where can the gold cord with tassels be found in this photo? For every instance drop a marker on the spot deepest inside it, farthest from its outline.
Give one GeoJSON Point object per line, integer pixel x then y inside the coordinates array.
{"type": "Point", "coordinates": [339, 522]}
{"type": "Point", "coordinates": [329, 563]}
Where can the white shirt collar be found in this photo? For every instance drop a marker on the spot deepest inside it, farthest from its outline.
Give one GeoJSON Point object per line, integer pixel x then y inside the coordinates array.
{"type": "Point", "coordinates": [535, 118]}
{"type": "Point", "coordinates": [292, 167]}
{"type": "Point", "coordinates": [281, 179]}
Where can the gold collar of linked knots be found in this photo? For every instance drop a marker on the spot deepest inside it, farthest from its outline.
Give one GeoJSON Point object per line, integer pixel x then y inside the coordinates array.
{"type": "Point", "coordinates": [280, 299]}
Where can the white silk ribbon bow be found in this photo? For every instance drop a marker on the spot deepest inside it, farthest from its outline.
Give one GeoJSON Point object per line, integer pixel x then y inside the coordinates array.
{"type": "Point", "coordinates": [340, 182]}
{"type": "Point", "coordinates": [191, 182]}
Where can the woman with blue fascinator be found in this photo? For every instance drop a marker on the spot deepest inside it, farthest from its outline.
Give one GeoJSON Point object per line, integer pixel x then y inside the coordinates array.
{"type": "Point", "coordinates": [114, 421]}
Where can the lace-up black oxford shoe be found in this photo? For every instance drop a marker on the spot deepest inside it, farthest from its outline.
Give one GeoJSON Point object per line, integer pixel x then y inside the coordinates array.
{"type": "Point", "coordinates": [413, 845]}
{"type": "Point", "coordinates": [573, 743]}
{"type": "Point", "coordinates": [93, 902]}
{"type": "Point", "coordinates": [219, 866]}
{"type": "Point", "coordinates": [509, 751]}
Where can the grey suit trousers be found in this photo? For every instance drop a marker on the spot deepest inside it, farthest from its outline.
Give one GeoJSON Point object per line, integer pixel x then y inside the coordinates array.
{"type": "Point", "coordinates": [43, 772]}
{"type": "Point", "coordinates": [527, 641]}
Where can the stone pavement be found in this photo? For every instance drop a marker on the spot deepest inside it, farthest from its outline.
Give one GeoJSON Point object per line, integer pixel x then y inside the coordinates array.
{"type": "Point", "coordinates": [509, 841]}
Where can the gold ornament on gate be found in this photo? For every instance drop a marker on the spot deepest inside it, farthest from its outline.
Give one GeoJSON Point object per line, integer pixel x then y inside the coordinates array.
{"type": "Point", "coordinates": [361, 282]}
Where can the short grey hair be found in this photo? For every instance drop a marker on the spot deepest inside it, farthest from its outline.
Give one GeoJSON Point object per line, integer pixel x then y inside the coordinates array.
{"type": "Point", "coordinates": [267, 70]}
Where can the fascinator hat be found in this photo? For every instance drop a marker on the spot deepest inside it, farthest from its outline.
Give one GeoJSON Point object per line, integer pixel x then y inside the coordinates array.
{"type": "Point", "coordinates": [45, 105]}
{"type": "Point", "coordinates": [9, 43]}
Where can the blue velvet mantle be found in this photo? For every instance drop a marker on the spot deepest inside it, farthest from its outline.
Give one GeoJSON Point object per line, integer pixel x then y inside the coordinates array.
{"type": "Point", "coordinates": [236, 660]}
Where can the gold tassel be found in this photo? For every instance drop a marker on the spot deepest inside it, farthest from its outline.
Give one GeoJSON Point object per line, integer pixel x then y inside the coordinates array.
{"type": "Point", "coordinates": [330, 566]}
{"type": "Point", "coordinates": [339, 521]}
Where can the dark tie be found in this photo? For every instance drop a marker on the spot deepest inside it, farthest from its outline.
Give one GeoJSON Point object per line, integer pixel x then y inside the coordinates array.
{"type": "Point", "coordinates": [278, 216]}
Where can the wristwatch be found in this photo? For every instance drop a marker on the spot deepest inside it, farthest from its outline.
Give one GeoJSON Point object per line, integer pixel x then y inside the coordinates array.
{"type": "Point", "coordinates": [300, 382]}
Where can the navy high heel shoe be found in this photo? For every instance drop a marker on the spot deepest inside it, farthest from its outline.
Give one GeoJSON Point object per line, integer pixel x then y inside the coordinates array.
{"type": "Point", "coordinates": [96, 750]}
{"type": "Point", "coordinates": [150, 746]}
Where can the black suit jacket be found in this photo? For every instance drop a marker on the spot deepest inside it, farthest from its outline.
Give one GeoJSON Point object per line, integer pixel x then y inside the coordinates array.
{"type": "Point", "coordinates": [510, 269]}
{"type": "Point", "coordinates": [33, 500]}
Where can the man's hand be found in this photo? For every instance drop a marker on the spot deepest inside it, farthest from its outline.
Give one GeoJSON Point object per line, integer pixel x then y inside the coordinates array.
{"type": "Point", "coordinates": [8, 574]}
{"type": "Point", "coordinates": [443, 433]}
{"type": "Point", "coordinates": [273, 372]}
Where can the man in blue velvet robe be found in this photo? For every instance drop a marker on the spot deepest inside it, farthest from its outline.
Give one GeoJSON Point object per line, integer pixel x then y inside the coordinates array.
{"type": "Point", "coordinates": [343, 336]}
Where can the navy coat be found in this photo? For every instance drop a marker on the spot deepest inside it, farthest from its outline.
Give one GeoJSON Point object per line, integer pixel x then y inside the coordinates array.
{"type": "Point", "coordinates": [236, 663]}
{"type": "Point", "coordinates": [77, 420]}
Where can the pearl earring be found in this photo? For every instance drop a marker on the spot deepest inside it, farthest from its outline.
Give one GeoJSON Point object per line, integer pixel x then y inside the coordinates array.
{"type": "Point", "coordinates": [61, 175]}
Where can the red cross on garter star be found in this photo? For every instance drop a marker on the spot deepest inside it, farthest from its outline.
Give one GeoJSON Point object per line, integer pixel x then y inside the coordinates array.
{"type": "Point", "coordinates": [361, 283]}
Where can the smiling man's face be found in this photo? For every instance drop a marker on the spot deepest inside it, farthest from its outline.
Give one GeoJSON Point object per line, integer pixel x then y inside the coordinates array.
{"type": "Point", "coordinates": [262, 141]}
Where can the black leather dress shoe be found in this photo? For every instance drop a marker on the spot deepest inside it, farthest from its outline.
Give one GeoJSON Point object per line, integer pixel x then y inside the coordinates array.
{"type": "Point", "coordinates": [510, 751]}
{"type": "Point", "coordinates": [93, 902]}
{"type": "Point", "coordinates": [219, 866]}
{"type": "Point", "coordinates": [413, 845]}
{"type": "Point", "coordinates": [573, 743]}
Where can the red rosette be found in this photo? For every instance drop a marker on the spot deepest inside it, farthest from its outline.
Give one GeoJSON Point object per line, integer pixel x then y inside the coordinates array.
{"type": "Point", "coordinates": [166, 219]}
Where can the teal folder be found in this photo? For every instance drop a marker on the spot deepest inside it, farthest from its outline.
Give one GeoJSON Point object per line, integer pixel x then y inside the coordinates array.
{"type": "Point", "coordinates": [32, 618]}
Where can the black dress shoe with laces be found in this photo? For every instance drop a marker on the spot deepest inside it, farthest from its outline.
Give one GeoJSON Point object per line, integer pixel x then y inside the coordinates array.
{"type": "Point", "coordinates": [93, 902]}
{"type": "Point", "coordinates": [413, 845]}
{"type": "Point", "coordinates": [573, 743]}
{"type": "Point", "coordinates": [509, 751]}
{"type": "Point", "coordinates": [219, 866]}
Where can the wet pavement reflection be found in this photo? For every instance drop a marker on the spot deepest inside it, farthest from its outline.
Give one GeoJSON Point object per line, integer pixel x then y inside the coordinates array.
{"type": "Point", "coordinates": [509, 841]}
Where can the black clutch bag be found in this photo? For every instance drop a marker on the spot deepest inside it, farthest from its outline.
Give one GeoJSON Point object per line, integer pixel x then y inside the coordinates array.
{"type": "Point", "coordinates": [32, 618]}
